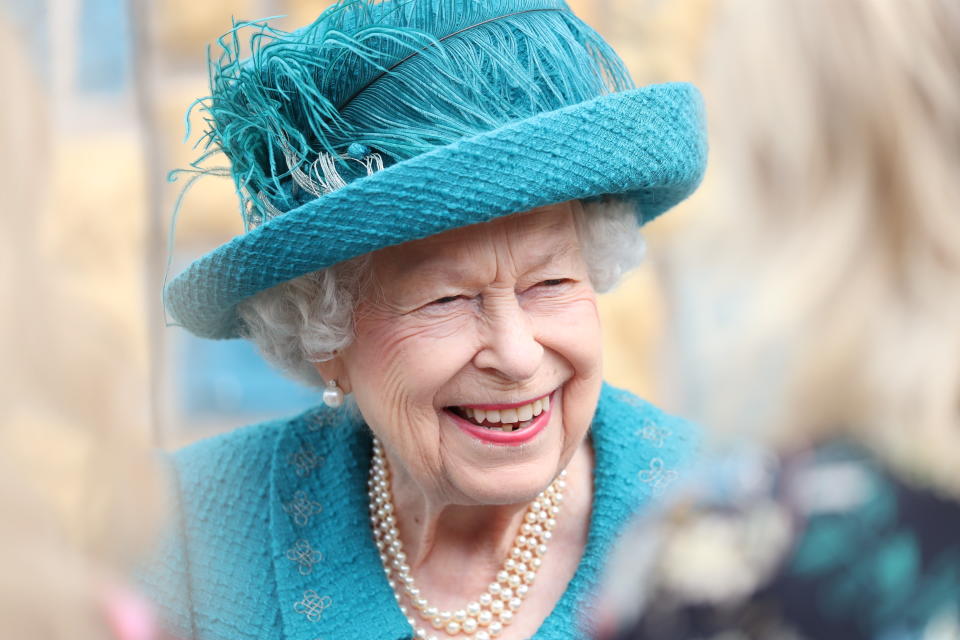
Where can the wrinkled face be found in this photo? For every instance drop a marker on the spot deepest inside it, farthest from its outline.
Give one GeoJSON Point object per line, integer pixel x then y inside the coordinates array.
{"type": "Point", "coordinates": [477, 356]}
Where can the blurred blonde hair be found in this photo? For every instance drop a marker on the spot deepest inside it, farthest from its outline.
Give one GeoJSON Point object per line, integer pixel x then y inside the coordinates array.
{"type": "Point", "coordinates": [78, 493]}
{"type": "Point", "coordinates": [822, 287]}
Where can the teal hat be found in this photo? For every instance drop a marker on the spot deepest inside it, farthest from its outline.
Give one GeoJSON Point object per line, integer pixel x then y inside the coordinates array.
{"type": "Point", "coordinates": [384, 122]}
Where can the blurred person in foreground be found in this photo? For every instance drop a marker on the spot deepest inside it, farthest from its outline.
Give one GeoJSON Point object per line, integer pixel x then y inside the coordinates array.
{"type": "Point", "coordinates": [819, 306]}
{"type": "Point", "coordinates": [435, 192]}
{"type": "Point", "coordinates": [79, 496]}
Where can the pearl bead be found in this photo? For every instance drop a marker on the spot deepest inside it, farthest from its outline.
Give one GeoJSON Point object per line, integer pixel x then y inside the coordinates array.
{"type": "Point", "coordinates": [492, 609]}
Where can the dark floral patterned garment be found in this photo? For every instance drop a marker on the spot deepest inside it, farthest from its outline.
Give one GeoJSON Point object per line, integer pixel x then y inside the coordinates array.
{"type": "Point", "coordinates": [867, 557]}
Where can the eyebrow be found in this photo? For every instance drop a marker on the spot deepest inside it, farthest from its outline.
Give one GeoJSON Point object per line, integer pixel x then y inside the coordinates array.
{"type": "Point", "coordinates": [456, 271]}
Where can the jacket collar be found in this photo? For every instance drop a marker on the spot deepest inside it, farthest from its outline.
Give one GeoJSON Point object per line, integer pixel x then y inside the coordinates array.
{"type": "Point", "coordinates": [330, 582]}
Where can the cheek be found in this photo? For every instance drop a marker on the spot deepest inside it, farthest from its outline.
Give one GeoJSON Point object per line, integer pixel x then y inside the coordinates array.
{"type": "Point", "coordinates": [571, 329]}
{"type": "Point", "coordinates": [574, 336]}
{"type": "Point", "coordinates": [397, 366]}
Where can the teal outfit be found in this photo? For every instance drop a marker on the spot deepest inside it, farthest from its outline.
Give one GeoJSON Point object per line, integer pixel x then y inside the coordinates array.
{"type": "Point", "coordinates": [272, 539]}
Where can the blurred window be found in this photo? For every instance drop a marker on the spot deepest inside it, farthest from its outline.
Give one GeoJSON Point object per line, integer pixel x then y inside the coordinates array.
{"type": "Point", "coordinates": [103, 60]}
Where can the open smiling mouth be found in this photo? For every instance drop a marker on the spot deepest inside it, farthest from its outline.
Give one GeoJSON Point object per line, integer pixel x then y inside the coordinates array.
{"type": "Point", "coordinates": [504, 419]}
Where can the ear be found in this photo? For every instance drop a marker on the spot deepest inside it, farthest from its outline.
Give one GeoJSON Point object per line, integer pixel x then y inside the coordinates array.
{"type": "Point", "coordinates": [334, 369]}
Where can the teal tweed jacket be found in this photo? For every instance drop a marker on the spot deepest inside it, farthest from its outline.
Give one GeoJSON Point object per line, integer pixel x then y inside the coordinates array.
{"type": "Point", "coordinates": [272, 537]}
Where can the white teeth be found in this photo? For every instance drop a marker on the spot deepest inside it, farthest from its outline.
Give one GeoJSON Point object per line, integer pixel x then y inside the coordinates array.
{"type": "Point", "coordinates": [510, 419]}
{"type": "Point", "coordinates": [525, 412]}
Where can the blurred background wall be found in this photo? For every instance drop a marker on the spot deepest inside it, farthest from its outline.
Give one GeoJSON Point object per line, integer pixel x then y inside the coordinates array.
{"type": "Point", "coordinates": [116, 78]}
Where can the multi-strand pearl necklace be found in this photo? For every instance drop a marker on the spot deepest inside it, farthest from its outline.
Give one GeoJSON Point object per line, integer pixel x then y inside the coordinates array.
{"type": "Point", "coordinates": [485, 617]}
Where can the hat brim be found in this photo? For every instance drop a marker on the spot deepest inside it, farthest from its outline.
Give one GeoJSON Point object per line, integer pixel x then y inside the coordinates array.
{"type": "Point", "coordinates": [645, 144]}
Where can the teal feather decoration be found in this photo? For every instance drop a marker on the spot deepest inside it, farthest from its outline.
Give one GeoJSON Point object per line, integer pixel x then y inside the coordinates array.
{"type": "Point", "coordinates": [392, 79]}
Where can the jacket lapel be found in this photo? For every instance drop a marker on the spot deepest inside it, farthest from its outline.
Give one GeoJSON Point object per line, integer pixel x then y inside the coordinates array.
{"type": "Point", "coordinates": [330, 583]}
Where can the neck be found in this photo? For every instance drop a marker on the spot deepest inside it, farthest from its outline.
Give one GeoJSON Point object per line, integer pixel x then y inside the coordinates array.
{"type": "Point", "coordinates": [433, 528]}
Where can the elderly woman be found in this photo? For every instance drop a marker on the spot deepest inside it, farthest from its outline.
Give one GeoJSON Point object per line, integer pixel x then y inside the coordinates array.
{"type": "Point", "coordinates": [435, 191]}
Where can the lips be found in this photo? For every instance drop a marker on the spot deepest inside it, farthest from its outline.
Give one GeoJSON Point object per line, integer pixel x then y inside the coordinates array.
{"type": "Point", "coordinates": [503, 424]}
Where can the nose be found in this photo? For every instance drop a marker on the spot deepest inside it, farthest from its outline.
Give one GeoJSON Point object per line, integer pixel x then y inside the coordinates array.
{"type": "Point", "coordinates": [508, 341]}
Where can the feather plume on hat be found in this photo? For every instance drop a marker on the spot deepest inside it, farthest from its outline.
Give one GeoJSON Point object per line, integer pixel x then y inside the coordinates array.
{"type": "Point", "coordinates": [369, 84]}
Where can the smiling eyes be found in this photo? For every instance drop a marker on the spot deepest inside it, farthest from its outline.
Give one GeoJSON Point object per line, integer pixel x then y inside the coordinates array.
{"type": "Point", "coordinates": [554, 282]}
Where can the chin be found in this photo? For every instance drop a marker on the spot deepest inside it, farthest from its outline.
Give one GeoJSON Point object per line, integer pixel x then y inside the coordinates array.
{"type": "Point", "coordinates": [522, 488]}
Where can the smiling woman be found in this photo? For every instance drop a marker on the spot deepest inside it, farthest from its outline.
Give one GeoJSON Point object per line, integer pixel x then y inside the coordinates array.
{"type": "Point", "coordinates": [435, 192]}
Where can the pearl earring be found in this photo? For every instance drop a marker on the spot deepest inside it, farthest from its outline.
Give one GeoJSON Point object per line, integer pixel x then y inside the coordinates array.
{"type": "Point", "coordinates": [333, 395]}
